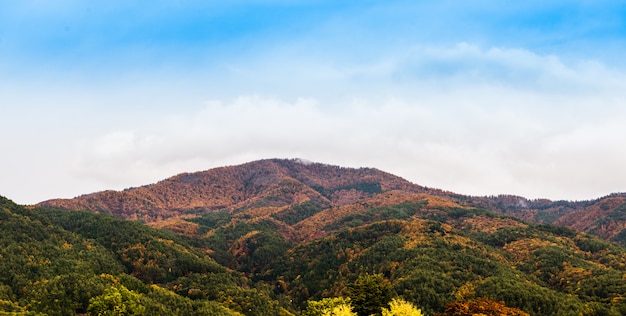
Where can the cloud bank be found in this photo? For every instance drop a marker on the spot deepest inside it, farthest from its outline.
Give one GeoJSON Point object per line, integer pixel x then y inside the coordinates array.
{"type": "Point", "coordinates": [471, 97]}
{"type": "Point", "coordinates": [555, 132]}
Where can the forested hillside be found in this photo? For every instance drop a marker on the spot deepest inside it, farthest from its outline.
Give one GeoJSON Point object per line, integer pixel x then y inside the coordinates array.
{"type": "Point", "coordinates": [431, 252]}
{"type": "Point", "coordinates": [66, 263]}
{"type": "Point", "coordinates": [283, 237]}
{"type": "Point", "coordinates": [432, 255]}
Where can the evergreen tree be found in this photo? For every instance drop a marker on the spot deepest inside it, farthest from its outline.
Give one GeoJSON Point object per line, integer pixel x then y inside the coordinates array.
{"type": "Point", "coordinates": [369, 294]}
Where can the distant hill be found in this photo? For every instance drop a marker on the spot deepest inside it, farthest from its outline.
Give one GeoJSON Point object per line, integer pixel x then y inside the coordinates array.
{"type": "Point", "coordinates": [280, 187]}
{"type": "Point", "coordinates": [604, 217]}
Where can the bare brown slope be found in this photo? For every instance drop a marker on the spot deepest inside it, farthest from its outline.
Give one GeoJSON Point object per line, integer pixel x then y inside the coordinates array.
{"type": "Point", "coordinates": [270, 183]}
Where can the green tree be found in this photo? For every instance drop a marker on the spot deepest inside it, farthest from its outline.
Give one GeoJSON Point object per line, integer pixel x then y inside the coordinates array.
{"type": "Point", "coordinates": [116, 300]}
{"type": "Point", "coordinates": [369, 294]}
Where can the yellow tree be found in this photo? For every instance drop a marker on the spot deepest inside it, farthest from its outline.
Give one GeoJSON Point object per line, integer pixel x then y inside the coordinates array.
{"type": "Point", "coordinates": [325, 305]}
{"type": "Point", "coordinates": [340, 310]}
{"type": "Point", "coordinates": [400, 307]}
{"type": "Point", "coordinates": [116, 301]}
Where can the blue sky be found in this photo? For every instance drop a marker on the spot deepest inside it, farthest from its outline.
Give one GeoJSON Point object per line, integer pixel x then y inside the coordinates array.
{"type": "Point", "coordinates": [477, 97]}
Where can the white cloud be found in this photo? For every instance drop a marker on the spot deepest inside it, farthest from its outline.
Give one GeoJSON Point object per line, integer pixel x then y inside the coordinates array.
{"type": "Point", "coordinates": [463, 118]}
{"type": "Point", "coordinates": [464, 141]}
{"type": "Point", "coordinates": [110, 95]}
{"type": "Point", "coordinates": [518, 69]}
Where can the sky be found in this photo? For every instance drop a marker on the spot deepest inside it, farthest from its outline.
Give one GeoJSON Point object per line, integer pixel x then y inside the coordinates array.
{"type": "Point", "coordinates": [478, 97]}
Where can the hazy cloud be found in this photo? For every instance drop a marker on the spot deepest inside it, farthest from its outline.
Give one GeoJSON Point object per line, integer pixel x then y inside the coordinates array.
{"type": "Point", "coordinates": [474, 131]}
{"type": "Point", "coordinates": [482, 139]}
{"type": "Point", "coordinates": [476, 98]}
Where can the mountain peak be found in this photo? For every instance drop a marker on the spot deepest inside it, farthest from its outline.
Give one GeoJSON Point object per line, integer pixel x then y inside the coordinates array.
{"type": "Point", "coordinates": [270, 183]}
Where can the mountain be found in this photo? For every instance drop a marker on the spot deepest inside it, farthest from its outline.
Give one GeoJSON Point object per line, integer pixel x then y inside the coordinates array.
{"type": "Point", "coordinates": [261, 184]}
{"type": "Point", "coordinates": [275, 236]}
{"type": "Point", "coordinates": [290, 190]}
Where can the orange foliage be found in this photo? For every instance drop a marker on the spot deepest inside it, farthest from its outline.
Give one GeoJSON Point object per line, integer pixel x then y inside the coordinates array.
{"type": "Point", "coordinates": [584, 218]}
{"type": "Point", "coordinates": [311, 227]}
{"type": "Point", "coordinates": [414, 230]}
{"type": "Point", "coordinates": [522, 249]}
{"type": "Point", "coordinates": [482, 223]}
{"type": "Point", "coordinates": [481, 307]}
{"type": "Point", "coordinates": [178, 225]}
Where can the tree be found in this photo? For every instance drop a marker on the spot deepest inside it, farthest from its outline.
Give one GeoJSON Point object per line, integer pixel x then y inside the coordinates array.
{"type": "Point", "coordinates": [369, 294]}
{"type": "Point", "coordinates": [319, 308]}
{"type": "Point", "coordinates": [400, 307]}
{"type": "Point", "coordinates": [340, 310]}
{"type": "Point", "coordinates": [483, 306]}
{"type": "Point", "coordinates": [116, 300]}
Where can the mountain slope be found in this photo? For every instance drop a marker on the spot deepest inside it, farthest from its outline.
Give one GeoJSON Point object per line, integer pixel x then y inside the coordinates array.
{"type": "Point", "coordinates": [292, 190]}
{"type": "Point", "coordinates": [432, 250]}
{"type": "Point", "coordinates": [604, 217]}
{"type": "Point", "coordinates": [266, 183]}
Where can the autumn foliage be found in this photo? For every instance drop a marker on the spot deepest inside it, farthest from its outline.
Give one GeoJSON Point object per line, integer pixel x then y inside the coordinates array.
{"type": "Point", "coordinates": [481, 307]}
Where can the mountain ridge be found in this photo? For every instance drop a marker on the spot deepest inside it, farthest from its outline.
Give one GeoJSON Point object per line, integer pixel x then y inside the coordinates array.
{"type": "Point", "coordinates": [278, 186]}
{"type": "Point", "coordinates": [225, 187]}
